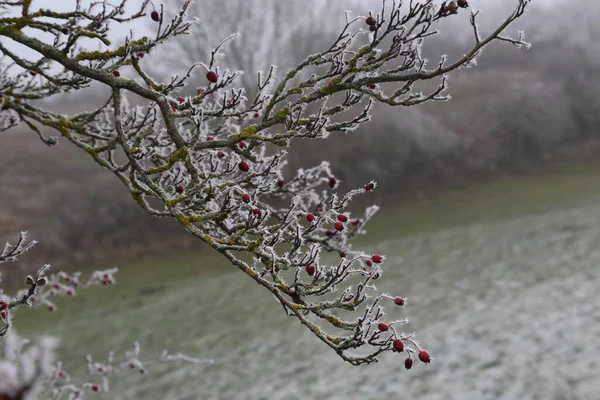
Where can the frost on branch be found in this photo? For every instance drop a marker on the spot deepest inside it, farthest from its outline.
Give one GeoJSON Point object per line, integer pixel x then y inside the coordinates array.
{"type": "Point", "coordinates": [209, 162]}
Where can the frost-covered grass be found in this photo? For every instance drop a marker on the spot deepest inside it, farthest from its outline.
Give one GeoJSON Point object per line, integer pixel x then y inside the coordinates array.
{"type": "Point", "coordinates": [507, 304]}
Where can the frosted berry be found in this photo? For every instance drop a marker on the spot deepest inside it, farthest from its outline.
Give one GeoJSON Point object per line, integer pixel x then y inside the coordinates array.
{"type": "Point", "coordinates": [280, 183]}
{"type": "Point", "coordinates": [179, 189]}
{"type": "Point", "coordinates": [376, 258]}
{"type": "Point", "coordinates": [369, 186]}
{"type": "Point", "coordinates": [463, 3]}
{"type": "Point", "coordinates": [355, 221]}
{"type": "Point", "coordinates": [383, 326]}
{"type": "Point", "coordinates": [398, 345]}
{"type": "Point", "coordinates": [116, 74]}
{"type": "Point", "coordinates": [338, 226]}
{"type": "Point", "coordinates": [210, 138]}
{"type": "Point", "coordinates": [3, 305]}
{"type": "Point", "coordinates": [180, 100]}
{"type": "Point", "coordinates": [140, 55]}
{"type": "Point", "coordinates": [310, 270]}
{"type": "Point", "coordinates": [342, 218]}
{"type": "Point", "coordinates": [399, 301]}
{"type": "Point", "coordinates": [104, 282]}
{"type": "Point", "coordinates": [242, 145]}
{"type": "Point", "coordinates": [220, 154]}
{"type": "Point", "coordinates": [424, 357]}
{"type": "Point", "coordinates": [372, 28]}
{"type": "Point", "coordinates": [370, 21]}
{"type": "Point", "coordinates": [94, 387]}
{"type": "Point", "coordinates": [257, 212]}
{"type": "Point", "coordinates": [154, 15]}
{"type": "Point", "coordinates": [211, 76]}
{"type": "Point", "coordinates": [369, 263]}
{"type": "Point", "coordinates": [330, 233]}
{"type": "Point", "coordinates": [69, 292]}
{"type": "Point", "coordinates": [244, 166]}
{"type": "Point", "coordinates": [56, 286]}
{"type": "Point", "coordinates": [51, 308]}
{"type": "Point", "coordinates": [3, 314]}
{"type": "Point", "coordinates": [60, 373]}
{"type": "Point", "coordinates": [32, 73]}
{"type": "Point", "coordinates": [408, 363]}
{"type": "Point", "coordinates": [173, 109]}
{"type": "Point", "coordinates": [372, 86]}
{"type": "Point", "coordinates": [256, 115]}
{"type": "Point", "coordinates": [246, 198]}
{"type": "Point", "coordinates": [332, 182]}
{"type": "Point", "coordinates": [105, 275]}
{"type": "Point", "coordinates": [310, 217]}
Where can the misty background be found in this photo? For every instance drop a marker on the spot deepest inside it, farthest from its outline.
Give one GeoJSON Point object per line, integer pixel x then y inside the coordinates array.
{"type": "Point", "coordinates": [490, 220]}
{"type": "Point", "coordinates": [516, 112]}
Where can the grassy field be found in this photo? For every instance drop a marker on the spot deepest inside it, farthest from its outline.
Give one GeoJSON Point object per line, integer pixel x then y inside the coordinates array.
{"type": "Point", "coordinates": [451, 255]}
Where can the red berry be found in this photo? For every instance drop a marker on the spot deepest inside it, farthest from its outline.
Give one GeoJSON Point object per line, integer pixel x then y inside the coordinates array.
{"type": "Point", "coordinates": [94, 387]}
{"type": "Point", "coordinates": [100, 369]}
{"type": "Point", "coordinates": [220, 154]}
{"type": "Point", "coordinates": [69, 292]}
{"type": "Point", "coordinates": [60, 373]}
{"type": "Point", "coordinates": [256, 115]}
{"type": "Point", "coordinates": [372, 28]}
{"type": "Point", "coordinates": [132, 365]}
{"type": "Point", "coordinates": [342, 254]}
{"type": "Point", "coordinates": [463, 3]}
{"type": "Point", "coordinates": [116, 74]}
{"type": "Point", "coordinates": [369, 263]}
{"type": "Point", "coordinates": [246, 198]}
{"type": "Point", "coordinates": [383, 326]}
{"type": "Point", "coordinates": [330, 233]}
{"type": "Point", "coordinates": [56, 286]}
{"type": "Point", "coordinates": [280, 183]}
{"type": "Point", "coordinates": [398, 345]}
{"type": "Point", "coordinates": [369, 186]}
{"type": "Point", "coordinates": [242, 145]}
{"type": "Point", "coordinates": [376, 258]}
{"type": "Point", "coordinates": [338, 226]}
{"type": "Point", "coordinates": [355, 221]}
{"type": "Point", "coordinates": [140, 55]}
{"type": "Point", "coordinates": [3, 305]}
{"type": "Point", "coordinates": [399, 301]}
{"type": "Point", "coordinates": [211, 76]}
{"type": "Point", "coordinates": [244, 166]}
{"type": "Point", "coordinates": [32, 73]}
{"type": "Point", "coordinates": [370, 21]}
{"type": "Point", "coordinates": [310, 270]}
{"type": "Point", "coordinates": [408, 363]}
{"type": "Point", "coordinates": [210, 139]}
{"type": "Point", "coordinates": [180, 100]}
{"type": "Point", "coordinates": [154, 15]}
{"type": "Point", "coordinates": [104, 282]}
{"type": "Point", "coordinates": [257, 212]}
{"type": "Point", "coordinates": [310, 217]}
{"type": "Point", "coordinates": [68, 279]}
{"type": "Point", "coordinates": [424, 357]}
{"type": "Point", "coordinates": [332, 182]}
{"type": "Point", "coordinates": [105, 275]}
{"type": "Point", "coordinates": [51, 307]}
{"type": "Point", "coordinates": [342, 218]}
{"type": "Point", "coordinates": [372, 86]}
{"type": "Point", "coordinates": [179, 189]}
{"type": "Point", "coordinates": [3, 314]}
{"type": "Point", "coordinates": [173, 109]}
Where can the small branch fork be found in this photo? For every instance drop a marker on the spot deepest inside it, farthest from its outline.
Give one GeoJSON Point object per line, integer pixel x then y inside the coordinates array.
{"type": "Point", "coordinates": [203, 159]}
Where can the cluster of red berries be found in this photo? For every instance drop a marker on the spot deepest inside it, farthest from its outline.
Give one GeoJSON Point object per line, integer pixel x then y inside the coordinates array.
{"type": "Point", "coordinates": [372, 22]}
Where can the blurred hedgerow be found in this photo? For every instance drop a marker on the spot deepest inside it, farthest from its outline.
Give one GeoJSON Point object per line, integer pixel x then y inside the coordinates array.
{"type": "Point", "coordinates": [213, 160]}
